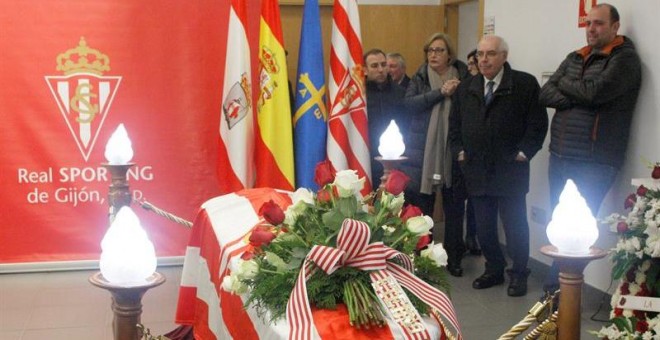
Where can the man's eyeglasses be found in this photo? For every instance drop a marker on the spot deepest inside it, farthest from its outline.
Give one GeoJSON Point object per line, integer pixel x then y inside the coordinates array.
{"type": "Point", "coordinates": [436, 50]}
{"type": "Point", "coordinates": [489, 54]}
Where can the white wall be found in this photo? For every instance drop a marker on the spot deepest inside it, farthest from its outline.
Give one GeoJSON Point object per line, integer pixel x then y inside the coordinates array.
{"type": "Point", "coordinates": [468, 21]}
{"type": "Point", "coordinates": [540, 34]}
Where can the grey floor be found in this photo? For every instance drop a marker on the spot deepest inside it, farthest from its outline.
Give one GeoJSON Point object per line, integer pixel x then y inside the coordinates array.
{"type": "Point", "coordinates": [64, 306]}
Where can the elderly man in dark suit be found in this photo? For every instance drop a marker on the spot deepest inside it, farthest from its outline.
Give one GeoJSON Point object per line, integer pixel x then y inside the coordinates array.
{"type": "Point", "coordinates": [496, 127]}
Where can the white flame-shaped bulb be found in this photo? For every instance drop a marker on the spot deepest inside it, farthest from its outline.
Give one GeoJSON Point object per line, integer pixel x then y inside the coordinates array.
{"type": "Point", "coordinates": [128, 257]}
{"type": "Point", "coordinates": [119, 151]}
{"type": "Point", "coordinates": [573, 230]}
{"type": "Point", "coordinates": [391, 142]}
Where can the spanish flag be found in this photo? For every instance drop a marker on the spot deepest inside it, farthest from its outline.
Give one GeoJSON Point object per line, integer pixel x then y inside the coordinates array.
{"type": "Point", "coordinates": [274, 142]}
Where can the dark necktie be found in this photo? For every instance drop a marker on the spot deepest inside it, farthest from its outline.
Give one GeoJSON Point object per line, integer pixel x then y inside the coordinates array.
{"type": "Point", "coordinates": [488, 98]}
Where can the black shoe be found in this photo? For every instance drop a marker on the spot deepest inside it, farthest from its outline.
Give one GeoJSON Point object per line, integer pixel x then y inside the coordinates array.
{"type": "Point", "coordinates": [487, 280]}
{"type": "Point", "coordinates": [455, 269]}
{"type": "Point", "coordinates": [518, 285]}
{"type": "Point", "coordinates": [472, 245]}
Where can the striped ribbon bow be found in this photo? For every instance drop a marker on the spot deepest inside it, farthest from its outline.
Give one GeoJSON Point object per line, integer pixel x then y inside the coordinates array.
{"type": "Point", "coordinates": [353, 250]}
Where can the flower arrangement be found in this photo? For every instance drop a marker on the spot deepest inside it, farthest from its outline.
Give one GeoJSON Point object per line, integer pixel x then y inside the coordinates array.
{"type": "Point", "coordinates": [333, 244]}
{"type": "Point", "coordinates": [636, 260]}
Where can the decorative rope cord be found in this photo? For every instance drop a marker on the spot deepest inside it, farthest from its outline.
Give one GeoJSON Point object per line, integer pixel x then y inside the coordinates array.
{"type": "Point", "coordinates": [176, 219]}
{"type": "Point", "coordinates": [532, 317]}
{"type": "Point", "coordinates": [547, 329]}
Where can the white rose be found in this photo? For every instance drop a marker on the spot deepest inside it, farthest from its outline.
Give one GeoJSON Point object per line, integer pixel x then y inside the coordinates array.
{"type": "Point", "coordinates": [436, 253]}
{"type": "Point", "coordinates": [419, 225]}
{"type": "Point", "coordinates": [232, 284]}
{"type": "Point", "coordinates": [303, 195]}
{"type": "Point", "coordinates": [392, 203]}
{"type": "Point", "coordinates": [247, 270]}
{"type": "Point", "coordinates": [348, 184]}
{"type": "Point", "coordinates": [290, 216]}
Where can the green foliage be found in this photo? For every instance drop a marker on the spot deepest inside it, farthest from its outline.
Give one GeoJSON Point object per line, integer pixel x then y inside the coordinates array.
{"type": "Point", "coordinates": [278, 263]}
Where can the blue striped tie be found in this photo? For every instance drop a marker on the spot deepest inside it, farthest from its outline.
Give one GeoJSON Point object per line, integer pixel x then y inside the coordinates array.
{"type": "Point", "coordinates": [488, 98]}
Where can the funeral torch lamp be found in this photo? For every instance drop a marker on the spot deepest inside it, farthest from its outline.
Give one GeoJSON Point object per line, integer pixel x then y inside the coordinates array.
{"type": "Point", "coordinates": [391, 149]}
{"type": "Point", "coordinates": [128, 258]}
{"type": "Point", "coordinates": [572, 233]}
{"type": "Point", "coordinates": [118, 153]}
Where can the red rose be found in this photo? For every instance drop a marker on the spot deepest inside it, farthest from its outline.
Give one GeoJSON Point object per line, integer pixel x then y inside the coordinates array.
{"type": "Point", "coordinates": [624, 288]}
{"type": "Point", "coordinates": [247, 255]}
{"type": "Point", "coordinates": [396, 182]}
{"type": "Point", "coordinates": [642, 326]}
{"type": "Point", "coordinates": [423, 242]}
{"type": "Point", "coordinates": [410, 211]}
{"type": "Point", "coordinates": [324, 173]}
{"type": "Point", "coordinates": [630, 201]}
{"type": "Point", "coordinates": [642, 190]}
{"type": "Point", "coordinates": [621, 227]}
{"type": "Point", "coordinates": [272, 213]}
{"type": "Point", "coordinates": [261, 236]}
{"type": "Point", "coordinates": [323, 196]}
{"type": "Point", "coordinates": [618, 311]}
{"type": "Point", "coordinates": [656, 172]}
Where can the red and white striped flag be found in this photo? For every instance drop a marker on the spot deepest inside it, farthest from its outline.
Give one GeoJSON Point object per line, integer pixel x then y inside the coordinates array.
{"type": "Point", "coordinates": [348, 137]}
{"type": "Point", "coordinates": [235, 167]}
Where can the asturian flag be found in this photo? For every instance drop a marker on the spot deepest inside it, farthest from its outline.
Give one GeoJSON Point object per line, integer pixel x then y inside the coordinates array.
{"type": "Point", "coordinates": [311, 116]}
{"type": "Point", "coordinates": [236, 143]}
{"type": "Point", "coordinates": [274, 143]}
{"type": "Point", "coordinates": [348, 140]}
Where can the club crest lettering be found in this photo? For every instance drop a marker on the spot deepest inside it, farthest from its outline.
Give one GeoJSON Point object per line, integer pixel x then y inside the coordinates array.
{"type": "Point", "coordinates": [83, 93]}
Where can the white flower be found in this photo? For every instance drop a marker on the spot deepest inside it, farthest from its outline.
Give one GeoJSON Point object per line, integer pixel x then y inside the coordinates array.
{"type": "Point", "coordinates": [646, 265]}
{"type": "Point", "coordinates": [348, 184]}
{"type": "Point", "coordinates": [652, 242]}
{"type": "Point", "coordinates": [388, 230]}
{"type": "Point", "coordinates": [437, 253]}
{"type": "Point", "coordinates": [232, 284]}
{"type": "Point", "coordinates": [392, 203]}
{"type": "Point", "coordinates": [300, 200]}
{"type": "Point", "coordinates": [610, 332]}
{"type": "Point", "coordinates": [640, 277]}
{"type": "Point", "coordinates": [634, 288]}
{"type": "Point", "coordinates": [419, 225]}
{"type": "Point", "coordinates": [628, 312]}
{"type": "Point", "coordinates": [303, 195]}
{"type": "Point", "coordinates": [247, 270]}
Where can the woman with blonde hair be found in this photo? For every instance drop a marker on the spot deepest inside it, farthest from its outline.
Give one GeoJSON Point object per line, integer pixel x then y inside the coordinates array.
{"type": "Point", "coordinates": [430, 165]}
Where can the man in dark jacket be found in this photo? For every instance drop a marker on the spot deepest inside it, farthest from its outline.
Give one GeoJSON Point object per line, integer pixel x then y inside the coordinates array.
{"type": "Point", "coordinates": [384, 103]}
{"type": "Point", "coordinates": [594, 92]}
{"type": "Point", "coordinates": [496, 127]}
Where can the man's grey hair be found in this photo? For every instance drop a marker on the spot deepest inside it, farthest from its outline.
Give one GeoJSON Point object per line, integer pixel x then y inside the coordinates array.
{"type": "Point", "coordinates": [398, 57]}
{"type": "Point", "coordinates": [502, 47]}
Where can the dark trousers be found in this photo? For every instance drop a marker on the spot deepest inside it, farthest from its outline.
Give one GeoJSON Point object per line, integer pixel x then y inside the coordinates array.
{"type": "Point", "coordinates": [470, 221]}
{"type": "Point", "coordinates": [513, 212]}
{"type": "Point", "coordinates": [593, 181]}
{"type": "Point", "coordinates": [454, 210]}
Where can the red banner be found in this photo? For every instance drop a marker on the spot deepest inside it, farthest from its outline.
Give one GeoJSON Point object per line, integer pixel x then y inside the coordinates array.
{"type": "Point", "coordinates": [71, 73]}
{"type": "Point", "coordinates": [585, 7]}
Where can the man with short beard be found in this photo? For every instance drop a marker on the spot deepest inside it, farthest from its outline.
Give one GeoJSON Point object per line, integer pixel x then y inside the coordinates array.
{"type": "Point", "coordinates": [594, 92]}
